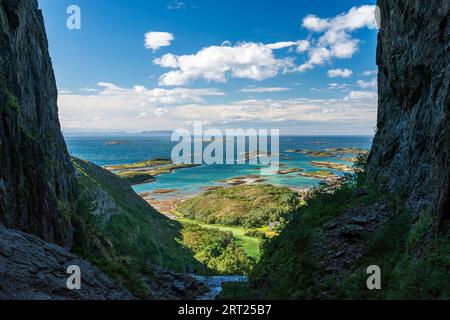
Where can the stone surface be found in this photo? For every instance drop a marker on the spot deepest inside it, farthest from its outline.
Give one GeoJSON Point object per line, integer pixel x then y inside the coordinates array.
{"type": "Point", "coordinates": [36, 177]}
{"type": "Point", "coordinates": [31, 268]}
{"type": "Point", "coordinates": [411, 150]}
{"type": "Point", "coordinates": [346, 239]}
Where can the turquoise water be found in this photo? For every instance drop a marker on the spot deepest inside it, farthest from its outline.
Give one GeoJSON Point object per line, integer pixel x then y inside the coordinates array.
{"type": "Point", "coordinates": [192, 181]}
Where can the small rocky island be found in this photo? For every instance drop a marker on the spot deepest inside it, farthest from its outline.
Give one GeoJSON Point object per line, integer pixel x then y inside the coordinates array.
{"type": "Point", "coordinates": [116, 142]}
{"type": "Point", "coordinates": [146, 171]}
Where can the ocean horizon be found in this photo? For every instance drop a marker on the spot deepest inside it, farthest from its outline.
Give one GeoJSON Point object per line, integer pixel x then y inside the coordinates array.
{"type": "Point", "coordinates": [106, 150]}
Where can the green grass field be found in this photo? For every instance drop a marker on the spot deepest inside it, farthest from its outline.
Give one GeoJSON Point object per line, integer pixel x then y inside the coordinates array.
{"type": "Point", "coordinates": [249, 244]}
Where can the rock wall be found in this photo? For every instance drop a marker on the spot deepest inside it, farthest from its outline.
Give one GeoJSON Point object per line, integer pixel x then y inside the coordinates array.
{"type": "Point", "coordinates": [36, 176]}
{"type": "Point", "coordinates": [31, 269]}
{"type": "Point", "coordinates": [411, 150]}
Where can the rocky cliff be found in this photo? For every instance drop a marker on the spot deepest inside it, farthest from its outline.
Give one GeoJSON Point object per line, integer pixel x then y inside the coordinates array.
{"type": "Point", "coordinates": [36, 176]}
{"type": "Point", "coordinates": [411, 150]}
{"type": "Point", "coordinates": [52, 217]}
{"type": "Point", "coordinates": [395, 214]}
{"type": "Point", "coordinates": [31, 268]}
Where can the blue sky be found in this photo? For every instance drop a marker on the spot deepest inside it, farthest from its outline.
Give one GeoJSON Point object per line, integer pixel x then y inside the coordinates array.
{"type": "Point", "coordinates": [306, 67]}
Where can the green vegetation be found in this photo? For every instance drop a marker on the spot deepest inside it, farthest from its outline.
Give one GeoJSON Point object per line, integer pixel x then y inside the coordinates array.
{"type": "Point", "coordinates": [169, 168]}
{"type": "Point", "coordinates": [249, 243]}
{"type": "Point", "coordinates": [249, 206]}
{"type": "Point", "coordinates": [289, 170]}
{"type": "Point", "coordinates": [135, 177]}
{"type": "Point", "coordinates": [140, 165]}
{"type": "Point", "coordinates": [146, 171]}
{"type": "Point", "coordinates": [238, 291]}
{"type": "Point", "coordinates": [414, 264]}
{"type": "Point", "coordinates": [328, 153]}
{"type": "Point", "coordinates": [127, 238]}
{"type": "Point", "coordinates": [286, 266]}
{"type": "Point", "coordinates": [10, 102]}
{"type": "Point", "coordinates": [406, 274]}
{"type": "Point", "coordinates": [217, 250]}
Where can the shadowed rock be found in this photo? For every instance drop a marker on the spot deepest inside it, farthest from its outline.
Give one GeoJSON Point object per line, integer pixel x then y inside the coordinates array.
{"type": "Point", "coordinates": [31, 268]}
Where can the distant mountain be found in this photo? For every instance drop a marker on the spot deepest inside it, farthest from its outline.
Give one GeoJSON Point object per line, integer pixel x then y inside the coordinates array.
{"type": "Point", "coordinates": [157, 133]}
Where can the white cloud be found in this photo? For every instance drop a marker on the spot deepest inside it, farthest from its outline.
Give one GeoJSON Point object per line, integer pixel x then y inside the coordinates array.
{"type": "Point", "coordinates": [217, 63]}
{"type": "Point", "coordinates": [313, 23]}
{"type": "Point", "coordinates": [360, 95]}
{"type": "Point", "coordinates": [303, 45]}
{"type": "Point", "coordinates": [157, 40]}
{"type": "Point", "coordinates": [141, 109]}
{"type": "Point", "coordinates": [368, 73]}
{"type": "Point", "coordinates": [336, 40]}
{"type": "Point", "coordinates": [338, 86]}
{"type": "Point", "coordinates": [257, 61]}
{"type": "Point", "coordinates": [281, 45]}
{"type": "Point", "coordinates": [87, 89]}
{"type": "Point", "coordinates": [372, 84]}
{"type": "Point", "coordinates": [122, 107]}
{"type": "Point", "coordinates": [64, 91]}
{"type": "Point", "coordinates": [264, 90]}
{"type": "Point", "coordinates": [342, 73]}
{"type": "Point", "coordinates": [176, 5]}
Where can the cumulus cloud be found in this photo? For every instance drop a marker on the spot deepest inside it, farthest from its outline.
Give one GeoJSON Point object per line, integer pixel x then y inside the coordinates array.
{"type": "Point", "coordinates": [216, 63]}
{"type": "Point", "coordinates": [330, 39]}
{"type": "Point", "coordinates": [313, 23]}
{"type": "Point", "coordinates": [156, 40]}
{"type": "Point", "coordinates": [264, 89]}
{"type": "Point", "coordinates": [360, 95]}
{"type": "Point", "coordinates": [342, 73]}
{"type": "Point", "coordinates": [335, 40]}
{"type": "Point", "coordinates": [302, 46]}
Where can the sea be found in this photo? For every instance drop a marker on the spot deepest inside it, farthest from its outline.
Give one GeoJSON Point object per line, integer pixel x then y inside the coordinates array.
{"type": "Point", "coordinates": [192, 181]}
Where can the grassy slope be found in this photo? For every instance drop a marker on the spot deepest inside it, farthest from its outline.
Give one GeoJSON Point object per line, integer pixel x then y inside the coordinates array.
{"type": "Point", "coordinates": [134, 238]}
{"type": "Point", "coordinates": [249, 244]}
{"type": "Point", "coordinates": [217, 249]}
{"type": "Point", "coordinates": [414, 266]}
{"type": "Point", "coordinates": [249, 206]}
{"type": "Point", "coordinates": [285, 272]}
{"type": "Point", "coordinates": [135, 177]}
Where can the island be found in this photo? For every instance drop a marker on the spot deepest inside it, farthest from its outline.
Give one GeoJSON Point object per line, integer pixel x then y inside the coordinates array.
{"type": "Point", "coordinates": [321, 174]}
{"type": "Point", "coordinates": [116, 142]}
{"type": "Point", "coordinates": [332, 165]}
{"type": "Point", "coordinates": [146, 171]}
{"type": "Point", "coordinates": [329, 153]}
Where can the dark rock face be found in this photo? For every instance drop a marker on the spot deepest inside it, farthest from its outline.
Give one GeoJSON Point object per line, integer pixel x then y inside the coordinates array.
{"type": "Point", "coordinates": [411, 150]}
{"type": "Point", "coordinates": [31, 268]}
{"type": "Point", "coordinates": [36, 177]}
